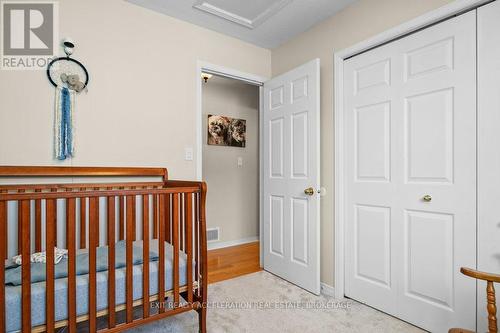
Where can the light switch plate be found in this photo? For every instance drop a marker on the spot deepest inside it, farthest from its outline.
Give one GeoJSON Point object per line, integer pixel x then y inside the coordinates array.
{"type": "Point", "coordinates": [240, 161]}
{"type": "Point", "coordinates": [188, 153]}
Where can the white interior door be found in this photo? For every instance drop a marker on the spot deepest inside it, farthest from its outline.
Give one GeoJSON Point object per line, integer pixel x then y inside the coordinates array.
{"type": "Point", "coordinates": [410, 161]}
{"type": "Point", "coordinates": [291, 165]}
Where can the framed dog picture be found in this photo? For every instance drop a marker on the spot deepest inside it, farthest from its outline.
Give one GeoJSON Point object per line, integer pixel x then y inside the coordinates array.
{"type": "Point", "coordinates": [226, 131]}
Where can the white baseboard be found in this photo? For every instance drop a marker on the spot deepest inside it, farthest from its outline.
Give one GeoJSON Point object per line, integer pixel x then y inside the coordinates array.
{"type": "Point", "coordinates": [220, 245]}
{"type": "Point", "coordinates": [327, 290]}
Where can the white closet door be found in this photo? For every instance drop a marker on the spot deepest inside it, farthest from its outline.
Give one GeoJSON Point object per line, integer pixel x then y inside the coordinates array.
{"type": "Point", "coordinates": [488, 76]}
{"type": "Point", "coordinates": [370, 185]}
{"type": "Point", "coordinates": [410, 110]}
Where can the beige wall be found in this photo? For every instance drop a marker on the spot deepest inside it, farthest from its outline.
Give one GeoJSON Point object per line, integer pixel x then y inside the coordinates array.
{"type": "Point", "coordinates": [233, 200]}
{"type": "Point", "coordinates": [356, 23]}
{"type": "Point", "coordinates": [140, 108]}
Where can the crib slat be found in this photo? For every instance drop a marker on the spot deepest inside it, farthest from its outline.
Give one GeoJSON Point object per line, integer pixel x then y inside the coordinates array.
{"type": "Point", "coordinates": [155, 216]}
{"type": "Point", "coordinates": [196, 241]}
{"type": "Point", "coordinates": [203, 253]}
{"type": "Point", "coordinates": [3, 254]}
{"type": "Point", "coordinates": [161, 250]}
{"type": "Point", "coordinates": [189, 244]}
{"type": "Point", "coordinates": [108, 238]}
{"type": "Point", "coordinates": [129, 238]}
{"type": "Point", "coordinates": [50, 222]}
{"type": "Point", "coordinates": [38, 223]}
{"type": "Point", "coordinates": [26, 264]}
{"type": "Point", "coordinates": [3, 215]}
{"type": "Point", "coordinates": [122, 216]}
{"type": "Point", "coordinates": [71, 243]}
{"type": "Point", "coordinates": [93, 241]}
{"type": "Point", "coordinates": [111, 262]}
{"type": "Point", "coordinates": [134, 216]}
{"type": "Point", "coordinates": [145, 256]}
{"type": "Point", "coordinates": [19, 229]}
{"type": "Point", "coordinates": [182, 224]}
{"type": "Point", "coordinates": [186, 195]}
{"type": "Point", "coordinates": [55, 214]}
{"type": "Point", "coordinates": [175, 234]}
{"type": "Point", "coordinates": [83, 222]}
{"type": "Point", "coordinates": [97, 225]}
{"type": "Point", "coordinates": [167, 218]}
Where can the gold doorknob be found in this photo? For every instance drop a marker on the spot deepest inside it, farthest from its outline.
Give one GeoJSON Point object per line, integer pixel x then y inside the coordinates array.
{"type": "Point", "coordinates": [309, 191]}
{"type": "Point", "coordinates": [427, 198]}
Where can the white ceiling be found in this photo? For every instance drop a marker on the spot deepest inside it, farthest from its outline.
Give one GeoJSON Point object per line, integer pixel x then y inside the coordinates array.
{"type": "Point", "coordinates": [266, 23]}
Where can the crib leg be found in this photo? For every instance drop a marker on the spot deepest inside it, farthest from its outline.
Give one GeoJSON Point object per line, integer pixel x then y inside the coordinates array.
{"type": "Point", "coordinates": [202, 319]}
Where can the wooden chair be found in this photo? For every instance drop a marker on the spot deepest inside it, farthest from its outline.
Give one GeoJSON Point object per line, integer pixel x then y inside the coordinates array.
{"type": "Point", "coordinates": [490, 295]}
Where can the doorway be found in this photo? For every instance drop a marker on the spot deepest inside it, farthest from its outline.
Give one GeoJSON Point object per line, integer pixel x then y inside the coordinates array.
{"type": "Point", "coordinates": [230, 166]}
{"type": "Point", "coordinates": [289, 160]}
{"type": "Point", "coordinates": [229, 137]}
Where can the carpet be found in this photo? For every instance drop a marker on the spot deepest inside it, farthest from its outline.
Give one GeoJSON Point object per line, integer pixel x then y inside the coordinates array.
{"type": "Point", "coordinates": [262, 302]}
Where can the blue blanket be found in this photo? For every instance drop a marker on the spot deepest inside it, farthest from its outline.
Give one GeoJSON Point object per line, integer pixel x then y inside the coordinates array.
{"type": "Point", "coordinates": [13, 275]}
{"type": "Point", "coordinates": [13, 294]}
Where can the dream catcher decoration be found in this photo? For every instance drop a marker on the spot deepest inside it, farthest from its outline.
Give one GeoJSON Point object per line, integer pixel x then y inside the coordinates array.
{"type": "Point", "coordinates": [69, 77]}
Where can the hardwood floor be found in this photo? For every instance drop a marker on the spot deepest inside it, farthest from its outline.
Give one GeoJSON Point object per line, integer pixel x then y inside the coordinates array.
{"type": "Point", "coordinates": [234, 261]}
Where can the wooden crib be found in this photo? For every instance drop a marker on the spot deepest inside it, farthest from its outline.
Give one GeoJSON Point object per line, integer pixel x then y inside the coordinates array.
{"type": "Point", "coordinates": [166, 212]}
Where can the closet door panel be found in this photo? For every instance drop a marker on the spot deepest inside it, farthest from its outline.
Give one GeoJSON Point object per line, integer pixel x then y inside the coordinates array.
{"type": "Point", "coordinates": [439, 161]}
{"type": "Point", "coordinates": [410, 175]}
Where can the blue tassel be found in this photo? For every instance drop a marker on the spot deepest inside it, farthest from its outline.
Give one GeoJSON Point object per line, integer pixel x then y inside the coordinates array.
{"type": "Point", "coordinates": [66, 137]}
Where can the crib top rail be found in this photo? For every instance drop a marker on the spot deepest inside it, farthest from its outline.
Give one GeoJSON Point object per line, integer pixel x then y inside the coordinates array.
{"type": "Point", "coordinates": [80, 186]}
{"type": "Point", "coordinates": [91, 173]}
{"type": "Point", "coordinates": [70, 171]}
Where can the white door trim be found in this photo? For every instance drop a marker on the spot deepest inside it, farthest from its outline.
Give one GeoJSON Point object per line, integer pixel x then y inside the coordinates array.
{"type": "Point", "coordinates": [442, 13]}
{"type": "Point", "coordinates": [242, 76]}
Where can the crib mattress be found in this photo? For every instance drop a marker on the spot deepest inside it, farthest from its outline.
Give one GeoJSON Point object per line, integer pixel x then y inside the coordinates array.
{"type": "Point", "coordinates": [13, 298]}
